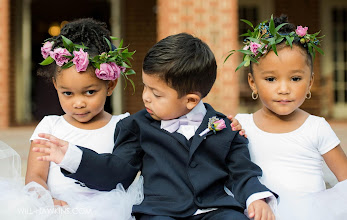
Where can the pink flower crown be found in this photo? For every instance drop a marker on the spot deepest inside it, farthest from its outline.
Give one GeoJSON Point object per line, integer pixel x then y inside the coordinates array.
{"type": "Point", "coordinates": [265, 37]}
{"type": "Point", "coordinates": [108, 66]}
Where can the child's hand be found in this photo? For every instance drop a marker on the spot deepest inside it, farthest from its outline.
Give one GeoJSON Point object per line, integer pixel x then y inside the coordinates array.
{"type": "Point", "coordinates": [260, 210]}
{"type": "Point", "coordinates": [59, 202]}
{"type": "Point", "coordinates": [235, 126]}
{"type": "Point", "coordinates": [55, 148]}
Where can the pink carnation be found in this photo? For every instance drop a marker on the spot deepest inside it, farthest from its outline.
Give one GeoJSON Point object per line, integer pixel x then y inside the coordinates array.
{"type": "Point", "coordinates": [108, 71]}
{"type": "Point", "coordinates": [59, 56]}
{"type": "Point", "coordinates": [301, 31]}
{"type": "Point", "coordinates": [46, 48]}
{"type": "Point", "coordinates": [80, 60]}
{"type": "Point", "coordinates": [254, 47]}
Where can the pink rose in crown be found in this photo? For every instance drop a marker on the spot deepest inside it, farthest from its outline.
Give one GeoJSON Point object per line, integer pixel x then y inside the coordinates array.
{"type": "Point", "coordinates": [59, 56]}
{"type": "Point", "coordinates": [301, 31]}
{"type": "Point", "coordinates": [81, 60]}
{"type": "Point", "coordinates": [106, 72]}
{"type": "Point", "coordinates": [116, 69]}
{"type": "Point", "coordinates": [46, 48]}
{"type": "Point", "coordinates": [254, 47]}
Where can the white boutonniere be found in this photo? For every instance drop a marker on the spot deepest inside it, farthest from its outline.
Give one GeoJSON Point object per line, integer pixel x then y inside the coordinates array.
{"type": "Point", "coordinates": [214, 124]}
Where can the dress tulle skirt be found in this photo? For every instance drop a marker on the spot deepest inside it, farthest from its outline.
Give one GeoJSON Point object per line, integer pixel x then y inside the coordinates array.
{"type": "Point", "coordinates": [330, 204]}
{"type": "Point", "coordinates": [33, 201]}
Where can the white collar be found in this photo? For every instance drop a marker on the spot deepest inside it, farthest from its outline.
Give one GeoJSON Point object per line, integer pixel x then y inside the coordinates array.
{"type": "Point", "coordinates": [199, 108]}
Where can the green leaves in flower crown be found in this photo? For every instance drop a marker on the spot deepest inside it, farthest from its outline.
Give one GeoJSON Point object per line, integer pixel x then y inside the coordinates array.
{"type": "Point", "coordinates": [109, 65]}
{"type": "Point", "coordinates": [120, 56]}
{"type": "Point", "coordinates": [265, 36]}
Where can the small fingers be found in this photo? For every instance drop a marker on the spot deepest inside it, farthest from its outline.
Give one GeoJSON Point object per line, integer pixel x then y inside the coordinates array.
{"type": "Point", "coordinates": [59, 202]}
{"type": "Point", "coordinates": [243, 133]}
{"type": "Point", "coordinates": [42, 150]}
{"type": "Point", "coordinates": [251, 211]}
{"type": "Point", "coordinates": [54, 139]}
{"type": "Point", "coordinates": [63, 203]}
{"type": "Point", "coordinates": [44, 158]}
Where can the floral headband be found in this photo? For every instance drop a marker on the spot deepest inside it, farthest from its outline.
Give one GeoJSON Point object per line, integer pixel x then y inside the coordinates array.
{"type": "Point", "coordinates": [108, 66]}
{"type": "Point", "coordinates": [265, 37]}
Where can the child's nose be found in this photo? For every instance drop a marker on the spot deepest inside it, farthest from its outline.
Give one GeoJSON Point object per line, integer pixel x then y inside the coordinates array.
{"type": "Point", "coordinates": [79, 104]}
{"type": "Point", "coordinates": [145, 97]}
{"type": "Point", "coordinates": [283, 88]}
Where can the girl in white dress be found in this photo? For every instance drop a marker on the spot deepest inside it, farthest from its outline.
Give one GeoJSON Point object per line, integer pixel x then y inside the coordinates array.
{"type": "Point", "coordinates": [289, 144]}
{"type": "Point", "coordinates": [84, 67]}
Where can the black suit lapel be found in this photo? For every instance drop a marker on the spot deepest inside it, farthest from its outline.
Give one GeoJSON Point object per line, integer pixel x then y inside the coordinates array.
{"type": "Point", "coordinates": [197, 139]}
{"type": "Point", "coordinates": [180, 138]}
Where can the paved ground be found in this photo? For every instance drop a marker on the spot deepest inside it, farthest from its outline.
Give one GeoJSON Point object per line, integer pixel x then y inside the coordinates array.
{"type": "Point", "coordinates": [18, 139]}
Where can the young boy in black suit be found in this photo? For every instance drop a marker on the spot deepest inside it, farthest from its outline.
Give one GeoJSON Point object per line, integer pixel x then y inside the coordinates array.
{"type": "Point", "coordinates": [185, 150]}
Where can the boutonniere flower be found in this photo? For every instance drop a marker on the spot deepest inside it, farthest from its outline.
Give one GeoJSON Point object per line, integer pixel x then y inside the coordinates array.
{"type": "Point", "coordinates": [214, 124]}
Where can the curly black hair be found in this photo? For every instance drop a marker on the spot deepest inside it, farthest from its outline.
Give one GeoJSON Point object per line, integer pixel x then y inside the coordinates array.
{"type": "Point", "coordinates": [286, 29]}
{"type": "Point", "coordinates": [90, 32]}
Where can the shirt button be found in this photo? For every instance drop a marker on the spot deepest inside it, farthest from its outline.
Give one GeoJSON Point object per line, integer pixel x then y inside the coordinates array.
{"type": "Point", "coordinates": [193, 164]}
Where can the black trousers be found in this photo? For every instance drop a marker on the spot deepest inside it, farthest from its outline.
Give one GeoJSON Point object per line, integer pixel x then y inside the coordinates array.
{"type": "Point", "coordinates": [219, 214]}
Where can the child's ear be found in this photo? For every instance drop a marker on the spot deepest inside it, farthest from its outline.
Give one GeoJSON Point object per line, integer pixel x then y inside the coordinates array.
{"type": "Point", "coordinates": [110, 86]}
{"type": "Point", "coordinates": [251, 82]}
{"type": "Point", "coordinates": [192, 100]}
{"type": "Point", "coordinates": [54, 83]}
{"type": "Point", "coordinates": [311, 81]}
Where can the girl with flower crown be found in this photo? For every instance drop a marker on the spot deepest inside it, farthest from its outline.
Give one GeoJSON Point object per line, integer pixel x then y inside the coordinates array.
{"type": "Point", "coordinates": [289, 144]}
{"type": "Point", "coordinates": [84, 68]}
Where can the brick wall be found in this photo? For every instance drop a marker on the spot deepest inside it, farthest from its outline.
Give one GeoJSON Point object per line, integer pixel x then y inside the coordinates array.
{"type": "Point", "coordinates": [297, 12]}
{"type": "Point", "coordinates": [4, 64]}
{"type": "Point", "coordinates": [216, 23]}
{"type": "Point", "coordinates": [139, 31]}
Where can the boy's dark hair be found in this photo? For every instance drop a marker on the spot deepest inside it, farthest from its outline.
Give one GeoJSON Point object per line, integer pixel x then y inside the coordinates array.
{"type": "Point", "coordinates": [88, 31]}
{"type": "Point", "coordinates": [184, 62]}
{"type": "Point", "coordinates": [286, 29]}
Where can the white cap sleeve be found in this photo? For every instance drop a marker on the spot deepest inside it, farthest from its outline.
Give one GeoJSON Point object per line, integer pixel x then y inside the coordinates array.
{"type": "Point", "coordinates": [327, 139]}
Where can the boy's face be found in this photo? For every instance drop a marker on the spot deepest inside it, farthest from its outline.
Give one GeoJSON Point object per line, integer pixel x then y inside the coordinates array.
{"type": "Point", "coordinates": [161, 101]}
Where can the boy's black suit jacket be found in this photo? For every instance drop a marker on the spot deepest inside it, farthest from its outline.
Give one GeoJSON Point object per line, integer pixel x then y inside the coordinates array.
{"type": "Point", "coordinates": [180, 176]}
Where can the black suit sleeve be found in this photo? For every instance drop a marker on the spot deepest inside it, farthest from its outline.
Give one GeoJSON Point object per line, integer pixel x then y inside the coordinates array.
{"type": "Point", "coordinates": [104, 171]}
{"type": "Point", "coordinates": [243, 178]}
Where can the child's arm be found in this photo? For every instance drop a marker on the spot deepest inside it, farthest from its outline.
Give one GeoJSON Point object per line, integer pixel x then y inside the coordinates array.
{"type": "Point", "coordinates": [37, 171]}
{"type": "Point", "coordinates": [244, 180]}
{"type": "Point", "coordinates": [100, 171]}
{"type": "Point", "coordinates": [337, 162]}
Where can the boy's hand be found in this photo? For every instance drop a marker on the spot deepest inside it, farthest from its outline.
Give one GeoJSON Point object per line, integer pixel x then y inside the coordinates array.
{"type": "Point", "coordinates": [236, 126]}
{"type": "Point", "coordinates": [55, 148]}
{"type": "Point", "coordinates": [260, 210]}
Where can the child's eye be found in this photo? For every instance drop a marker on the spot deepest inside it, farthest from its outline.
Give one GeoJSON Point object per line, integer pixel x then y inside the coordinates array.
{"type": "Point", "coordinates": [270, 79]}
{"type": "Point", "coordinates": [67, 93]}
{"type": "Point", "coordinates": [90, 92]}
{"type": "Point", "coordinates": [155, 95]}
{"type": "Point", "coordinates": [295, 79]}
